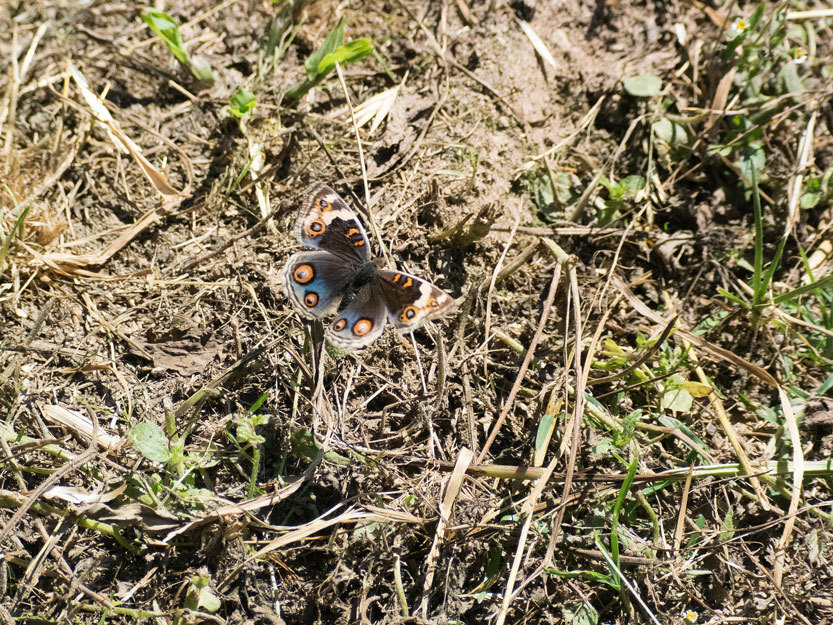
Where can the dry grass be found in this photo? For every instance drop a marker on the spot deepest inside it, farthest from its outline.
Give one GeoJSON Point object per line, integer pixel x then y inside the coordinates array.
{"type": "Point", "coordinates": [625, 419]}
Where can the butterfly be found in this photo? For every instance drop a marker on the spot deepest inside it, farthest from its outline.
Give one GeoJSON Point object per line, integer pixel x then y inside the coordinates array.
{"type": "Point", "coordinates": [340, 278]}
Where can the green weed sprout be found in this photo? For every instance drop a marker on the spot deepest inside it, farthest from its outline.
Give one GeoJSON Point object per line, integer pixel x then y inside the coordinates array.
{"type": "Point", "coordinates": [168, 30]}
{"type": "Point", "coordinates": [323, 61]}
{"type": "Point", "coordinates": [16, 231]}
{"type": "Point", "coordinates": [242, 103]}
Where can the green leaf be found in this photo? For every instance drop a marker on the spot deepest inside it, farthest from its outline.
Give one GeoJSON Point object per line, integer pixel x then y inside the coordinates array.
{"type": "Point", "coordinates": [675, 135]}
{"type": "Point", "coordinates": [628, 426]}
{"type": "Point", "coordinates": [303, 444]}
{"type": "Point", "coordinates": [349, 52]}
{"type": "Point", "coordinates": [168, 30]}
{"type": "Point", "coordinates": [643, 86]}
{"type": "Point", "coordinates": [544, 429]}
{"type": "Point", "coordinates": [789, 81]}
{"type": "Point", "coordinates": [246, 433]}
{"type": "Point", "coordinates": [676, 424]}
{"type": "Point", "coordinates": [260, 400]}
{"type": "Point", "coordinates": [579, 614]}
{"type": "Point", "coordinates": [592, 576]}
{"type": "Point", "coordinates": [200, 596]}
{"type": "Point", "coordinates": [332, 42]}
{"type": "Point", "coordinates": [150, 441]}
{"type": "Point", "coordinates": [675, 397]}
{"type": "Point", "coordinates": [208, 601]}
{"type": "Point", "coordinates": [243, 103]}
{"type": "Point", "coordinates": [727, 528]}
{"type": "Point", "coordinates": [201, 69]}
{"type": "Point", "coordinates": [753, 157]}
{"type": "Point", "coordinates": [756, 17]}
{"type": "Point", "coordinates": [632, 183]}
{"type": "Point", "coordinates": [697, 389]}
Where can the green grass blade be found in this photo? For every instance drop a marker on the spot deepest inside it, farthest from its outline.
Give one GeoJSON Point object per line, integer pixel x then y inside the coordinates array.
{"type": "Point", "coordinates": [330, 44]}
{"type": "Point", "coordinates": [168, 30]}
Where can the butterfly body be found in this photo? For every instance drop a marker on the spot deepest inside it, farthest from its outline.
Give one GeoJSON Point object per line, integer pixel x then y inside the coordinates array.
{"type": "Point", "coordinates": [340, 277]}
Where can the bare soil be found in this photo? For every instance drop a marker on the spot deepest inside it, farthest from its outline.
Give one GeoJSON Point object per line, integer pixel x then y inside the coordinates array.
{"type": "Point", "coordinates": [185, 325]}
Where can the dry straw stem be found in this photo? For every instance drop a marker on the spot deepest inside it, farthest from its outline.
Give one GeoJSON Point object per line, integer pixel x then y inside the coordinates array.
{"type": "Point", "coordinates": [368, 210]}
{"type": "Point", "coordinates": [59, 473]}
{"type": "Point", "coordinates": [119, 139]}
{"type": "Point", "coordinates": [490, 292]}
{"type": "Point", "coordinates": [81, 425]}
{"type": "Point", "coordinates": [578, 409]}
{"type": "Point", "coordinates": [450, 493]}
{"type": "Point", "coordinates": [507, 406]}
{"type": "Point", "coordinates": [246, 508]}
{"type": "Point", "coordinates": [798, 483]}
{"type": "Point", "coordinates": [325, 521]}
{"type": "Point", "coordinates": [70, 264]}
{"type": "Point", "coordinates": [805, 155]}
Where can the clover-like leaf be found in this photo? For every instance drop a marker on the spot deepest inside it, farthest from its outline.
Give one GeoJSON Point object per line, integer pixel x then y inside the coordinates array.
{"type": "Point", "coordinates": [643, 86]}
{"type": "Point", "coordinates": [150, 441]}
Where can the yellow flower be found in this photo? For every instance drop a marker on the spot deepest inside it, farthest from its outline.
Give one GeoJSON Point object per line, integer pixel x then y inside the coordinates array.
{"type": "Point", "coordinates": [689, 617]}
{"type": "Point", "coordinates": [799, 55]}
{"type": "Point", "coordinates": [739, 25]}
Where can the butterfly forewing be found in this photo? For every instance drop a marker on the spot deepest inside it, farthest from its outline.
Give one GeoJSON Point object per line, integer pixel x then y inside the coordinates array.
{"type": "Point", "coordinates": [325, 222]}
{"type": "Point", "coordinates": [315, 283]}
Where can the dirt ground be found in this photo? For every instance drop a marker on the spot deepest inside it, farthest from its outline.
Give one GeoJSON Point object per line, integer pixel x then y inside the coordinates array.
{"type": "Point", "coordinates": [400, 484]}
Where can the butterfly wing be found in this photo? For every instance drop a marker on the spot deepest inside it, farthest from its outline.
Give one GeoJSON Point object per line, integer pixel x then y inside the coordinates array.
{"type": "Point", "coordinates": [411, 301]}
{"type": "Point", "coordinates": [315, 282]}
{"type": "Point", "coordinates": [325, 222]}
{"type": "Point", "coordinates": [361, 322]}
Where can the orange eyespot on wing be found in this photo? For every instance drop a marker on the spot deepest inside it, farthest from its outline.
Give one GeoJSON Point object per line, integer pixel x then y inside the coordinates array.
{"type": "Point", "coordinates": [303, 274]}
{"type": "Point", "coordinates": [315, 228]}
{"type": "Point", "coordinates": [339, 325]}
{"type": "Point", "coordinates": [362, 327]}
{"type": "Point", "coordinates": [311, 299]}
{"type": "Point", "coordinates": [408, 314]}
{"type": "Point", "coordinates": [323, 205]}
{"type": "Point", "coordinates": [433, 304]}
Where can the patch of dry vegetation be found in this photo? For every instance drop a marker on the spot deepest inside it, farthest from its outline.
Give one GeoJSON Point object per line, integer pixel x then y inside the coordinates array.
{"type": "Point", "coordinates": [627, 417]}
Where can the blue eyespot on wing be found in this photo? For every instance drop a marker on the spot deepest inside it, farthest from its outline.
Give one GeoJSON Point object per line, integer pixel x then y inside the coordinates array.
{"type": "Point", "coordinates": [315, 283]}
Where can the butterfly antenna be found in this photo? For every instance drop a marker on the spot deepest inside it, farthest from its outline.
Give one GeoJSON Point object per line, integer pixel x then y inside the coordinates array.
{"type": "Point", "coordinates": [419, 364]}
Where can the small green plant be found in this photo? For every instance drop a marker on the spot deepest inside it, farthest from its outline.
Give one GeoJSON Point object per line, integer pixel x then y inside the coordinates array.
{"type": "Point", "coordinates": [181, 468]}
{"type": "Point", "coordinates": [199, 598]}
{"type": "Point", "coordinates": [249, 441]}
{"type": "Point", "coordinates": [168, 31]}
{"type": "Point", "coordinates": [242, 103]}
{"type": "Point", "coordinates": [323, 61]}
{"type": "Point", "coordinates": [551, 195]}
{"type": "Point", "coordinates": [16, 231]}
{"type": "Point", "coordinates": [621, 196]}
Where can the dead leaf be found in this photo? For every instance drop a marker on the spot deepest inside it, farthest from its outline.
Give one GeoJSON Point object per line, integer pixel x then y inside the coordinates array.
{"type": "Point", "coordinates": [183, 350]}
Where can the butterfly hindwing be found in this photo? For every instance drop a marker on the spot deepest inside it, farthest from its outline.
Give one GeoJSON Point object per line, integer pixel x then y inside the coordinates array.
{"type": "Point", "coordinates": [411, 301]}
{"type": "Point", "coordinates": [315, 282]}
{"type": "Point", "coordinates": [326, 222]}
{"type": "Point", "coordinates": [361, 322]}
